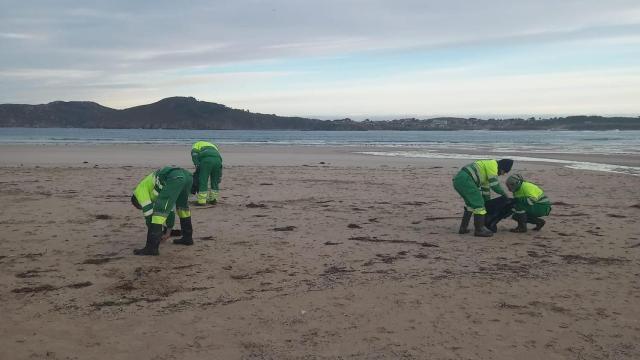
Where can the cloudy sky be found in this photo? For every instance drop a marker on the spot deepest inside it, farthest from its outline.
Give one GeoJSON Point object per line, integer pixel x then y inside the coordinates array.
{"type": "Point", "coordinates": [329, 58]}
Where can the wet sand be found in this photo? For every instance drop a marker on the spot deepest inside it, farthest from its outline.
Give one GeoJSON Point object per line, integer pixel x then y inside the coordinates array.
{"type": "Point", "coordinates": [313, 253]}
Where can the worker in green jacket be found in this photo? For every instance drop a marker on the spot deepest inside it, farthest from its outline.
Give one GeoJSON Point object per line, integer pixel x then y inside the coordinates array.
{"type": "Point", "coordinates": [474, 183]}
{"type": "Point", "coordinates": [530, 203]}
{"type": "Point", "coordinates": [157, 195]}
{"type": "Point", "coordinates": [206, 157]}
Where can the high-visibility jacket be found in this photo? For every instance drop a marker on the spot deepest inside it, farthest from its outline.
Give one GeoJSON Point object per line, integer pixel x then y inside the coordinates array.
{"type": "Point", "coordinates": [485, 175]}
{"type": "Point", "coordinates": [145, 193]}
{"type": "Point", "coordinates": [203, 149]}
{"type": "Point", "coordinates": [531, 193]}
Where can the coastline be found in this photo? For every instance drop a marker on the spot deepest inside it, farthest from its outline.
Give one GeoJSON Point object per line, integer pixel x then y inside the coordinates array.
{"type": "Point", "coordinates": [282, 155]}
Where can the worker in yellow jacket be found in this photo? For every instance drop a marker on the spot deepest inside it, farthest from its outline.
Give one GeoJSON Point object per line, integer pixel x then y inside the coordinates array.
{"type": "Point", "coordinates": [474, 183]}
{"type": "Point", "coordinates": [208, 161]}
{"type": "Point", "coordinates": [530, 203]}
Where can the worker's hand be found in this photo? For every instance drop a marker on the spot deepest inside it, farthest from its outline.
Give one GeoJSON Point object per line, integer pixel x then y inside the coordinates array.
{"type": "Point", "coordinates": [166, 234]}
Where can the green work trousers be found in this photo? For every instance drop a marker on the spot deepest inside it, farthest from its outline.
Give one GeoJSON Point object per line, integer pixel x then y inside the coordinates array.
{"type": "Point", "coordinates": [175, 192]}
{"type": "Point", "coordinates": [210, 169]}
{"type": "Point", "coordinates": [535, 210]}
{"type": "Point", "coordinates": [470, 192]}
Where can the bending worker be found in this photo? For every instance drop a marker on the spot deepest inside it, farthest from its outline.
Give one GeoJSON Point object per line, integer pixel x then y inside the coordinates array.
{"type": "Point", "coordinates": [156, 195]}
{"type": "Point", "coordinates": [474, 183]}
{"type": "Point", "coordinates": [530, 203]}
{"type": "Point", "coordinates": [206, 157]}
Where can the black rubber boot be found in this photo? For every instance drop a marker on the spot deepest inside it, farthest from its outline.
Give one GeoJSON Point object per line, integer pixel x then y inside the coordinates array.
{"type": "Point", "coordinates": [522, 223]}
{"type": "Point", "coordinates": [187, 232]}
{"type": "Point", "coordinates": [539, 223]}
{"type": "Point", "coordinates": [154, 235]}
{"type": "Point", "coordinates": [464, 224]}
{"type": "Point", "coordinates": [492, 223]}
{"type": "Point", "coordinates": [480, 229]}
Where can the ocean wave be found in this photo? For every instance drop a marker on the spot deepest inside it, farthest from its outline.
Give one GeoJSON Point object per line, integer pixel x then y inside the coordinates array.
{"type": "Point", "coordinates": [572, 164]}
{"type": "Point", "coordinates": [484, 141]}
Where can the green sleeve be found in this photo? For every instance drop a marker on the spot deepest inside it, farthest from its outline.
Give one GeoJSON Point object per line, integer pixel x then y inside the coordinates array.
{"type": "Point", "coordinates": [171, 220]}
{"type": "Point", "coordinates": [521, 203]}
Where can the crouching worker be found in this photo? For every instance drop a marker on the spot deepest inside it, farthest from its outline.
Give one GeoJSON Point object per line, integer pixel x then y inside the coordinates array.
{"type": "Point", "coordinates": [474, 183]}
{"type": "Point", "coordinates": [206, 157]}
{"type": "Point", "coordinates": [157, 194]}
{"type": "Point", "coordinates": [530, 203]}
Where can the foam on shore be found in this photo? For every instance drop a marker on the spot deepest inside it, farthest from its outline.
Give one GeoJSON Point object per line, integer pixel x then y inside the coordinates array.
{"type": "Point", "coordinates": [572, 164]}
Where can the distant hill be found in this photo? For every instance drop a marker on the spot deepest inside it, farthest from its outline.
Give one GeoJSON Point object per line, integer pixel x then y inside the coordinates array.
{"type": "Point", "coordinates": [169, 113]}
{"type": "Point", "coordinates": [80, 114]}
{"type": "Point", "coordinates": [189, 113]}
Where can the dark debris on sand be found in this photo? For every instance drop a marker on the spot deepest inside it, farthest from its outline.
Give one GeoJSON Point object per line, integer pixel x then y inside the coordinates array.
{"type": "Point", "coordinates": [616, 216]}
{"type": "Point", "coordinates": [393, 241]}
{"type": "Point", "coordinates": [100, 261]}
{"type": "Point", "coordinates": [48, 287]}
{"type": "Point", "coordinates": [253, 205]}
{"type": "Point", "coordinates": [34, 289]}
{"type": "Point", "coordinates": [124, 301]}
{"type": "Point", "coordinates": [592, 260]}
{"type": "Point", "coordinates": [79, 285]}
{"type": "Point", "coordinates": [336, 270]}
{"type": "Point", "coordinates": [332, 243]}
{"type": "Point", "coordinates": [31, 273]}
{"type": "Point", "coordinates": [284, 228]}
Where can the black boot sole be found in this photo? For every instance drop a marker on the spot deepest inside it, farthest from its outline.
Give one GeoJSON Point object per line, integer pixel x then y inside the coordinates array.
{"type": "Point", "coordinates": [178, 242]}
{"type": "Point", "coordinates": [145, 252]}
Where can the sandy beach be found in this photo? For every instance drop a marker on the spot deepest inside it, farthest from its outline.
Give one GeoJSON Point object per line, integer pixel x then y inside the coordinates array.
{"type": "Point", "coordinates": [312, 253]}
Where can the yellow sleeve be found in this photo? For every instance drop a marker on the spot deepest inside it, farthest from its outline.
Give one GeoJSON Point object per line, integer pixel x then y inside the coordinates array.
{"type": "Point", "coordinates": [491, 168]}
{"type": "Point", "coordinates": [144, 194]}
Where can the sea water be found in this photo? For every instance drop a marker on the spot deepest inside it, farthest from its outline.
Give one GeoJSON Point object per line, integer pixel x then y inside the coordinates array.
{"type": "Point", "coordinates": [426, 144]}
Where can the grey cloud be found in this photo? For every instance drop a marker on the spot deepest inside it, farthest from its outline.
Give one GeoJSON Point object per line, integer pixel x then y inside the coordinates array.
{"type": "Point", "coordinates": [122, 37]}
